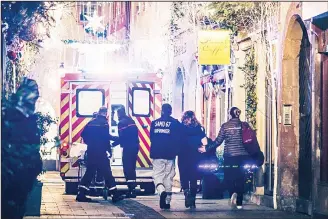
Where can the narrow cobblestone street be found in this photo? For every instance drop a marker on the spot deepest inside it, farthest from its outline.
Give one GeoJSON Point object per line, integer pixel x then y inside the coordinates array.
{"type": "Point", "coordinates": [55, 204]}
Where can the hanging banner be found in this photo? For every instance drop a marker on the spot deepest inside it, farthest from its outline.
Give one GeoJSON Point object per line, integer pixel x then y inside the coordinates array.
{"type": "Point", "coordinates": [214, 47]}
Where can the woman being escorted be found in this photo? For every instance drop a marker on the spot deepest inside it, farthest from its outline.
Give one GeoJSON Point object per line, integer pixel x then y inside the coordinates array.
{"type": "Point", "coordinates": [189, 157]}
{"type": "Point", "coordinates": [235, 156]}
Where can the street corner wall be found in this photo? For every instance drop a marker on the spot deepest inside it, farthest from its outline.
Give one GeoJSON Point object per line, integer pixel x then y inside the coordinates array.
{"type": "Point", "coordinates": [288, 144]}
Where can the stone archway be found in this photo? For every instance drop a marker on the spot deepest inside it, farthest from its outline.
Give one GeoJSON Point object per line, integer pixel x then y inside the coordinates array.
{"type": "Point", "coordinates": [178, 99]}
{"type": "Point", "coordinates": [295, 139]}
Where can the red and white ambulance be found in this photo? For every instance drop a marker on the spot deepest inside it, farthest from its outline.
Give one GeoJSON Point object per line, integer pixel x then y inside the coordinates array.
{"type": "Point", "coordinates": [83, 94]}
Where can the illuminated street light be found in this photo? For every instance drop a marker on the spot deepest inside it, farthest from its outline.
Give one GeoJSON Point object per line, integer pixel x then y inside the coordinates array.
{"type": "Point", "coordinates": [160, 73]}
{"type": "Point", "coordinates": [61, 70]}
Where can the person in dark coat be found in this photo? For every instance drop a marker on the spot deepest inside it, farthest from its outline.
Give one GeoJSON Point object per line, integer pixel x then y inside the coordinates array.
{"type": "Point", "coordinates": [96, 136]}
{"type": "Point", "coordinates": [165, 138]}
{"type": "Point", "coordinates": [235, 156]}
{"type": "Point", "coordinates": [99, 177]}
{"type": "Point", "coordinates": [129, 141]}
{"type": "Point", "coordinates": [21, 162]}
{"type": "Point", "coordinates": [189, 157]}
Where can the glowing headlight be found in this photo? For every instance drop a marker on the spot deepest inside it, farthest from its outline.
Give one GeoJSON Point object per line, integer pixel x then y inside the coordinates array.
{"type": "Point", "coordinates": [247, 166]}
{"type": "Point", "coordinates": [208, 166]}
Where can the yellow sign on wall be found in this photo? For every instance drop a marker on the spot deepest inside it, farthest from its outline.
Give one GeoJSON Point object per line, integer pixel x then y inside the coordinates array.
{"type": "Point", "coordinates": [214, 47]}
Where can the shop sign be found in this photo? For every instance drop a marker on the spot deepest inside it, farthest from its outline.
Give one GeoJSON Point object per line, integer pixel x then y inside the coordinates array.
{"type": "Point", "coordinates": [214, 47]}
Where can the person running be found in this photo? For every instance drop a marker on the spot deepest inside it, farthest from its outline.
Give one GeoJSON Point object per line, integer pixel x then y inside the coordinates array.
{"type": "Point", "coordinates": [165, 141]}
{"type": "Point", "coordinates": [235, 156]}
{"type": "Point", "coordinates": [96, 136]}
{"type": "Point", "coordinates": [189, 157]}
{"type": "Point", "coordinates": [129, 141]}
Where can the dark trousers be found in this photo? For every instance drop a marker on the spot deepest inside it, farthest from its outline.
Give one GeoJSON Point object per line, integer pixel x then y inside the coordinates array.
{"type": "Point", "coordinates": [189, 173]}
{"type": "Point", "coordinates": [234, 176]}
{"type": "Point", "coordinates": [129, 165]}
{"type": "Point", "coordinates": [99, 177]}
{"type": "Point", "coordinates": [101, 164]}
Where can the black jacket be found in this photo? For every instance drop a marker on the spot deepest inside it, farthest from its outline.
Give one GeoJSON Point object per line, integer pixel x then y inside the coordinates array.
{"type": "Point", "coordinates": [193, 140]}
{"type": "Point", "coordinates": [165, 138]}
{"type": "Point", "coordinates": [128, 134]}
{"type": "Point", "coordinates": [96, 136]}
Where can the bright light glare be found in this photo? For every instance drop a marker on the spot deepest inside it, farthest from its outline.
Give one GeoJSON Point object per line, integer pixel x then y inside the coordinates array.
{"type": "Point", "coordinates": [247, 166]}
{"type": "Point", "coordinates": [96, 57]}
{"type": "Point", "coordinates": [208, 166]}
{"type": "Point", "coordinates": [134, 70]}
{"type": "Point", "coordinates": [61, 72]}
{"type": "Point", "coordinates": [86, 47]}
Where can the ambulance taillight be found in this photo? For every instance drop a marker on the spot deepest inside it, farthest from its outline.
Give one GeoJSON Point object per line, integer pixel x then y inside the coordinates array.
{"type": "Point", "coordinates": [64, 149]}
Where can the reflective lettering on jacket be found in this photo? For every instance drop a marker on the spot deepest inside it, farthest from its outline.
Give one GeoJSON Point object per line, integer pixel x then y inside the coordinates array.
{"type": "Point", "coordinates": [162, 127]}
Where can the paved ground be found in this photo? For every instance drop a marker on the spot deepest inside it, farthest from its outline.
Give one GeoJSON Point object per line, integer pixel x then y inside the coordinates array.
{"type": "Point", "coordinates": [55, 204]}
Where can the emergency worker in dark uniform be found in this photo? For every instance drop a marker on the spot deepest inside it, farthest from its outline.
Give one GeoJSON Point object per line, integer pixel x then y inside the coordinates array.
{"type": "Point", "coordinates": [99, 177]}
{"type": "Point", "coordinates": [96, 136]}
{"type": "Point", "coordinates": [165, 138]}
{"type": "Point", "coordinates": [129, 141]}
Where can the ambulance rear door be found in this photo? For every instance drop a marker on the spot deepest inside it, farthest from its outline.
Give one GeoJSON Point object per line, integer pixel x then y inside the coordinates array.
{"type": "Point", "coordinates": [140, 96]}
{"type": "Point", "coordinates": [86, 97]}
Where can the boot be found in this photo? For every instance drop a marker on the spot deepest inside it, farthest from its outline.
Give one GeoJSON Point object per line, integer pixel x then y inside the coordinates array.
{"type": "Point", "coordinates": [187, 201]}
{"type": "Point", "coordinates": [131, 193]}
{"type": "Point", "coordinates": [81, 196]}
{"type": "Point", "coordinates": [162, 201]}
{"type": "Point", "coordinates": [167, 206]}
{"type": "Point", "coordinates": [192, 198]}
{"type": "Point", "coordinates": [116, 196]}
{"type": "Point", "coordinates": [192, 203]}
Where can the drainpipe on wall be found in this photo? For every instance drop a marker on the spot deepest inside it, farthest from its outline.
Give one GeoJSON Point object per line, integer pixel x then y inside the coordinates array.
{"type": "Point", "coordinates": [227, 85]}
{"type": "Point", "coordinates": [274, 75]}
{"type": "Point", "coordinates": [276, 94]}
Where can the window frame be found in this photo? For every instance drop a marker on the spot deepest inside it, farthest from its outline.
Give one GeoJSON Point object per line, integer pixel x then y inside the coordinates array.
{"type": "Point", "coordinates": [80, 11]}
{"type": "Point", "coordinates": [78, 90]}
{"type": "Point", "coordinates": [149, 102]}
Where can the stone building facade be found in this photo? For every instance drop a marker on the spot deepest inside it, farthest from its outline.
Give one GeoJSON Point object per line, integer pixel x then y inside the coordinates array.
{"type": "Point", "coordinates": [300, 153]}
{"type": "Point", "coordinates": [300, 146]}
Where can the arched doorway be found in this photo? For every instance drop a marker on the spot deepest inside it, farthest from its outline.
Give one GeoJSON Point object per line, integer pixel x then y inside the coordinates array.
{"type": "Point", "coordinates": [178, 99]}
{"type": "Point", "coordinates": [305, 129]}
{"type": "Point", "coordinates": [296, 139]}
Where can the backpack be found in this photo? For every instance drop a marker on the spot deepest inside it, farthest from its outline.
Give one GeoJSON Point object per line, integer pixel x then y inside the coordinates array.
{"type": "Point", "coordinates": [251, 144]}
